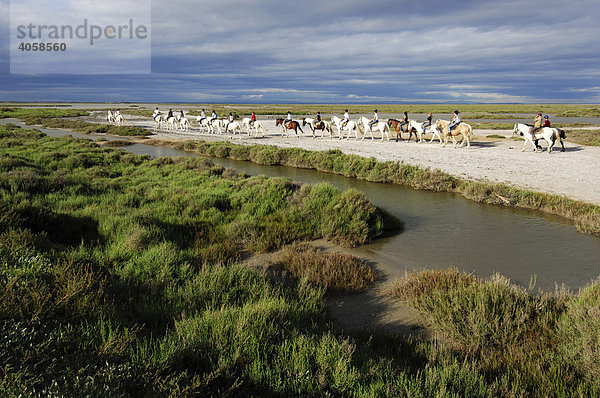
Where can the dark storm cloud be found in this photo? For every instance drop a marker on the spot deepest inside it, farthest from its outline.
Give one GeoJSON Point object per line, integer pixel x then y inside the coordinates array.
{"type": "Point", "coordinates": [357, 51]}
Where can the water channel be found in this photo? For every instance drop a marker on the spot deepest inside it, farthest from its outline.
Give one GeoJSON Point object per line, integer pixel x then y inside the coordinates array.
{"type": "Point", "coordinates": [446, 230]}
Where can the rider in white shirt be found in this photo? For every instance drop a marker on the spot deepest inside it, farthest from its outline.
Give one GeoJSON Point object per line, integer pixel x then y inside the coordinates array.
{"type": "Point", "coordinates": [346, 117]}
{"type": "Point", "coordinates": [156, 113]}
{"type": "Point", "coordinates": [455, 121]}
{"type": "Point", "coordinates": [229, 121]}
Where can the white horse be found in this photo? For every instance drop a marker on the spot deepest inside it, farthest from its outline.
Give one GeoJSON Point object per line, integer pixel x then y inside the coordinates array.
{"type": "Point", "coordinates": [119, 120]}
{"type": "Point", "coordinates": [159, 120]}
{"type": "Point", "coordinates": [350, 127]}
{"type": "Point", "coordinates": [203, 123]}
{"type": "Point", "coordinates": [217, 126]}
{"type": "Point", "coordinates": [110, 118]}
{"type": "Point", "coordinates": [383, 128]}
{"type": "Point", "coordinates": [323, 125]}
{"type": "Point", "coordinates": [255, 126]}
{"type": "Point", "coordinates": [233, 127]}
{"type": "Point", "coordinates": [431, 129]}
{"type": "Point", "coordinates": [549, 134]}
{"type": "Point", "coordinates": [258, 127]}
{"type": "Point", "coordinates": [184, 123]}
{"type": "Point", "coordinates": [172, 123]}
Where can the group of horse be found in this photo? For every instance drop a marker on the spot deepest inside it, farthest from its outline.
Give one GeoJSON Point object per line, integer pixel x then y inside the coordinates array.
{"type": "Point", "coordinates": [115, 118]}
{"type": "Point", "coordinates": [364, 127]}
{"type": "Point", "coordinates": [208, 125]}
{"type": "Point", "coordinates": [438, 130]}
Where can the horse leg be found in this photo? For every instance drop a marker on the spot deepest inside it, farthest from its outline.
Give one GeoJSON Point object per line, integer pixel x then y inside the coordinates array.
{"type": "Point", "coordinates": [562, 144]}
{"type": "Point", "coordinates": [551, 144]}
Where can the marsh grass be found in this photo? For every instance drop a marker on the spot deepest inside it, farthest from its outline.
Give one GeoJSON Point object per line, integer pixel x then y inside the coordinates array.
{"type": "Point", "coordinates": [334, 273]}
{"type": "Point", "coordinates": [120, 280]}
{"type": "Point", "coordinates": [487, 111]}
{"type": "Point", "coordinates": [546, 341]}
{"type": "Point", "coordinates": [584, 137]}
{"type": "Point", "coordinates": [86, 127]}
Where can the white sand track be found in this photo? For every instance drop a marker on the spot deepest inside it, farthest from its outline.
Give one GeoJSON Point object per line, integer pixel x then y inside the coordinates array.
{"type": "Point", "coordinates": [574, 173]}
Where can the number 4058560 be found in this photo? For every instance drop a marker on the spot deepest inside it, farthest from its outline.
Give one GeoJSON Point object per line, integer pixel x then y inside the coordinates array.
{"type": "Point", "coordinates": [43, 47]}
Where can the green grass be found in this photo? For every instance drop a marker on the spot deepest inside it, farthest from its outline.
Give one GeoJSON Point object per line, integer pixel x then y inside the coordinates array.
{"type": "Point", "coordinates": [120, 279]}
{"type": "Point", "coordinates": [584, 137]}
{"type": "Point", "coordinates": [40, 113]}
{"type": "Point", "coordinates": [548, 342]}
{"type": "Point", "coordinates": [334, 273]}
{"type": "Point", "coordinates": [86, 127]}
{"type": "Point", "coordinates": [486, 111]}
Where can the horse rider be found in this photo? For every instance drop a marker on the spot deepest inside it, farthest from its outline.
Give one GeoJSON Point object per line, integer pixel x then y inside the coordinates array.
{"type": "Point", "coordinates": [252, 119]}
{"type": "Point", "coordinates": [181, 115]}
{"type": "Point", "coordinates": [427, 121]}
{"type": "Point", "coordinates": [537, 125]}
{"type": "Point", "coordinates": [546, 122]}
{"type": "Point", "coordinates": [156, 113]}
{"type": "Point", "coordinates": [455, 121]}
{"type": "Point", "coordinates": [346, 118]}
{"type": "Point", "coordinates": [404, 120]}
{"type": "Point", "coordinates": [229, 121]}
{"type": "Point", "coordinates": [374, 120]}
{"type": "Point", "coordinates": [213, 116]}
{"type": "Point", "coordinates": [170, 114]}
{"type": "Point", "coordinates": [117, 112]}
{"type": "Point", "coordinates": [202, 116]}
{"type": "Point", "coordinates": [288, 118]}
{"type": "Point", "coordinates": [318, 117]}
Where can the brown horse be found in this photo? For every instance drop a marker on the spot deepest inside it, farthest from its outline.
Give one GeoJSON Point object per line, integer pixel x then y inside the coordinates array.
{"type": "Point", "coordinates": [462, 128]}
{"type": "Point", "coordinates": [406, 128]}
{"type": "Point", "coordinates": [288, 125]}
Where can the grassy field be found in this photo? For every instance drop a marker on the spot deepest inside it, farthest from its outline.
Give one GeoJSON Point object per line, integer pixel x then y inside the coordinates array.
{"type": "Point", "coordinates": [59, 118]}
{"type": "Point", "coordinates": [469, 111]}
{"type": "Point", "coordinates": [121, 279]}
{"type": "Point", "coordinates": [548, 342]}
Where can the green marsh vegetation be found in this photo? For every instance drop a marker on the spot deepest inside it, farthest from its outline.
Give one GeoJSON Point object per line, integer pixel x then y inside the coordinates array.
{"type": "Point", "coordinates": [486, 111]}
{"type": "Point", "coordinates": [547, 342]}
{"type": "Point", "coordinates": [61, 118]}
{"type": "Point", "coordinates": [121, 280]}
{"type": "Point", "coordinates": [120, 275]}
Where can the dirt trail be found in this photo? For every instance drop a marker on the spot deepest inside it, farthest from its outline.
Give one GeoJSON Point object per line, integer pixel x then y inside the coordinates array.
{"type": "Point", "coordinates": [574, 173]}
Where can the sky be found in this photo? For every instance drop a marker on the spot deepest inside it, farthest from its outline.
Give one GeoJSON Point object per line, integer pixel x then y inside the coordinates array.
{"type": "Point", "coordinates": [376, 51]}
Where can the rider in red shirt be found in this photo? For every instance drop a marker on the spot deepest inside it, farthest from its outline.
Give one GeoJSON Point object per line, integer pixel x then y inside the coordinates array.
{"type": "Point", "coordinates": [546, 122]}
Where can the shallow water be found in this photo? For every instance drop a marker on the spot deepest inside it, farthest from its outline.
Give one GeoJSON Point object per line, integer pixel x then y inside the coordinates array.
{"type": "Point", "coordinates": [444, 230]}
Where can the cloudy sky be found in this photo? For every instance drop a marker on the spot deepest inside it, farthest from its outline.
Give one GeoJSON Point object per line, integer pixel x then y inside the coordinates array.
{"type": "Point", "coordinates": [350, 51]}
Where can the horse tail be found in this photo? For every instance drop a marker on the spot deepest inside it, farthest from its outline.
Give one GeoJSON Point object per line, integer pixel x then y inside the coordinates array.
{"type": "Point", "coordinates": [359, 130]}
{"type": "Point", "coordinates": [300, 128]}
{"type": "Point", "coordinates": [470, 133]}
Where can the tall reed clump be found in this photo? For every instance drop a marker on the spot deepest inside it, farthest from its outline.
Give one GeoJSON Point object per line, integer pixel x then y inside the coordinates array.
{"type": "Point", "coordinates": [539, 342]}
{"type": "Point", "coordinates": [335, 273]}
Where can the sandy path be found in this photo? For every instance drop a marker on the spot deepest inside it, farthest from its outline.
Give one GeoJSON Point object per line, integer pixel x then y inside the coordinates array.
{"type": "Point", "coordinates": [574, 173]}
